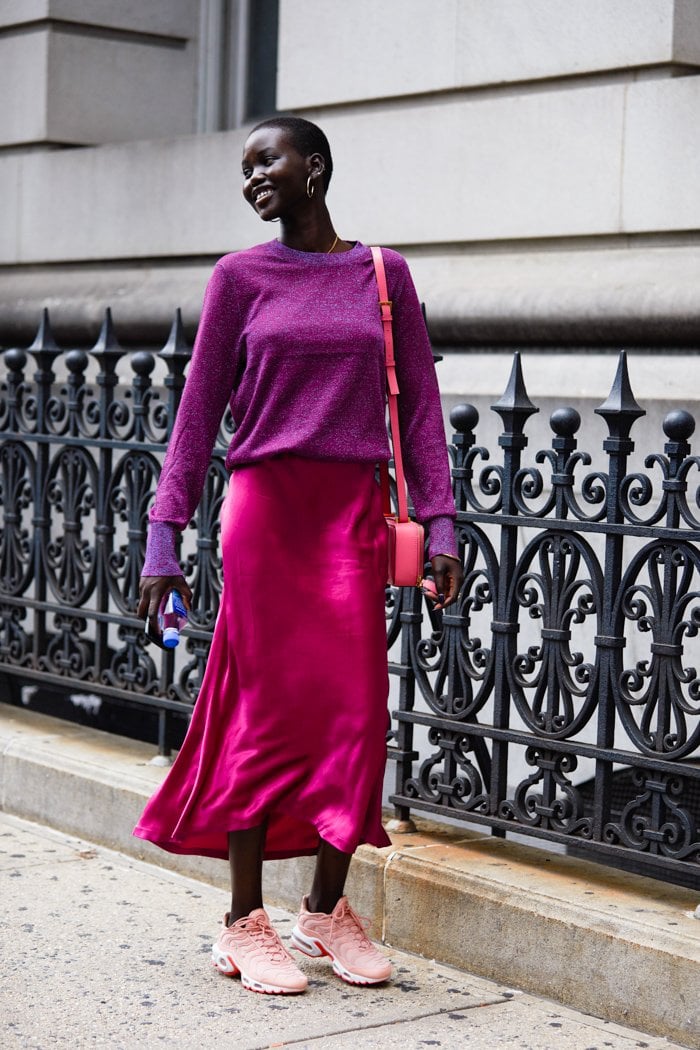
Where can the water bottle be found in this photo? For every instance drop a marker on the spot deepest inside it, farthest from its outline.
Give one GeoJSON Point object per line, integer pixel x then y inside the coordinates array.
{"type": "Point", "coordinates": [172, 618]}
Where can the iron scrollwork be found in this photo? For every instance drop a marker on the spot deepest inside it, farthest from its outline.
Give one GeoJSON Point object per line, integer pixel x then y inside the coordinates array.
{"type": "Point", "coordinates": [659, 697]}
{"type": "Point", "coordinates": [558, 584]}
{"type": "Point", "coordinates": [571, 645]}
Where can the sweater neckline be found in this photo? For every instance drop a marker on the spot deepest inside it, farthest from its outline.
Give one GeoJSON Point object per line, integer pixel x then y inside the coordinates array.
{"type": "Point", "coordinates": [315, 258]}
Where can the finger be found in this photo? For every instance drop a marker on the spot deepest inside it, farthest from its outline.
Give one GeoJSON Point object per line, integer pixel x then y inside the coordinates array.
{"type": "Point", "coordinates": [152, 615]}
{"type": "Point", "coordinates": [144, 598]}
{"type": "Point", "coordinates": [454, 582]}
{"type": "Point", "coordinates": [156, 592]}
{"type": "Point", "coordinates": [439, 588]}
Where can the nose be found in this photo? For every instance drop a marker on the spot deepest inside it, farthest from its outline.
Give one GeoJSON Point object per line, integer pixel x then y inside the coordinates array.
{"type": "Point", "coordinates": [254, 179]}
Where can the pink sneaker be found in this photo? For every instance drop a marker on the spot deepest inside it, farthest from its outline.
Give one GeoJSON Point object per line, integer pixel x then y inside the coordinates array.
{"type": "Point", "coordinates": [252, 947]}
{"type": "Point", "coordinates": [341, 935]}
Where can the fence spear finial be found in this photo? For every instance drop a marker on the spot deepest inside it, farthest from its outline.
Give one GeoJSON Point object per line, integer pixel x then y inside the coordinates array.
{"type": "Point", "coordinates": [514, 406]}
{"type": "Point", "coordinates": [620, 409]}
{"type": "Point", "coordinates": [107, 339]}
{"type": "Point", "coordinates": [44, 339]}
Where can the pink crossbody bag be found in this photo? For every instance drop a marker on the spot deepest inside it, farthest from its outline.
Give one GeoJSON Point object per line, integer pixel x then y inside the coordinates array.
{"type": "Point", "coordinates": [406, 537]}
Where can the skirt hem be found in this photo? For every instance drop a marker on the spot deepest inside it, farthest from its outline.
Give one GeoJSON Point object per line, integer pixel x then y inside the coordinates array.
{"type": "Point", "coordinates": [180, 847]}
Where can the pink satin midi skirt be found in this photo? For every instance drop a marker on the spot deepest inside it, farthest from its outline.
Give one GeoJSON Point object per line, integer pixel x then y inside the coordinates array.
{"type": "Point", "coordinates": [289, 725]}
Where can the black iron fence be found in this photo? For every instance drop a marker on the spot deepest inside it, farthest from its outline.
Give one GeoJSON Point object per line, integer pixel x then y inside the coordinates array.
{"type": "Point", "coordinates": [559, 698]}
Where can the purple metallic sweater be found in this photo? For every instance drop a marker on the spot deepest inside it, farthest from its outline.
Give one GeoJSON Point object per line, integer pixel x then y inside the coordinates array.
{"type": "Point", "coordinates": [294, 342]}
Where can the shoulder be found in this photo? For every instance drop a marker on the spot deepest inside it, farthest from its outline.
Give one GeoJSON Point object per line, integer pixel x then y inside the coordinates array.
{"type": "Point", "coordinates": [396, 267]}
{"type": "Point", "coordinates": [237, 264]}
{"type": "Point", "coordinates": [394, 260]}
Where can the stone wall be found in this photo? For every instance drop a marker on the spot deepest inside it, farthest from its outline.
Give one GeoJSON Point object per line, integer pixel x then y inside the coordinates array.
{"type": "Point", "coordinates": [535, 162]}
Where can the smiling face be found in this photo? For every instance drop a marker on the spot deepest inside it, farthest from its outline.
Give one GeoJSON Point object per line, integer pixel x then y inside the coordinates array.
{"type": "Point", "coordinates": [275, 173]}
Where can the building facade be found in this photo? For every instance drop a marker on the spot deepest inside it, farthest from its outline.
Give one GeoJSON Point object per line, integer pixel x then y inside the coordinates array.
{"type": "Point", "coordinates": [536, 163]}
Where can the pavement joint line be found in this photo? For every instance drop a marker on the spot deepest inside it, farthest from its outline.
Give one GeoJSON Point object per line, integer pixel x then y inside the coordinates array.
{"type": "Point", "coordinates": [43, 863]}
{"type": "Point", "coordinates": [318, 1039]}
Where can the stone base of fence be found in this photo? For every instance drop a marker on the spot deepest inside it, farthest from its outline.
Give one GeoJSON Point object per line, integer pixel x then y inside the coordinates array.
{"type": "Point", "coordinates": [619, 946]}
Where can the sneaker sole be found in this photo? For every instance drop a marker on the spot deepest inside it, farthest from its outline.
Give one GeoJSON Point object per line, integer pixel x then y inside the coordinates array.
{"type": "Point", "coordinates": [225, 965]}
{"type": "Point", "coordinates": [315, 948]}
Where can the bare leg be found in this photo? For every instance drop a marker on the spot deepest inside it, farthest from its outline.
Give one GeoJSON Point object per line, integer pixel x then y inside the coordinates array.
{"type": "Point", "coordinates": [329, 878]}
{"type": "Point", "coordinates": [245, 854]}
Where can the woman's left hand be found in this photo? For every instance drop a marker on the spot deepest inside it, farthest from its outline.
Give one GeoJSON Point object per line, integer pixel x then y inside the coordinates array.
{"type": "Point", "coordinates": [448, 576]}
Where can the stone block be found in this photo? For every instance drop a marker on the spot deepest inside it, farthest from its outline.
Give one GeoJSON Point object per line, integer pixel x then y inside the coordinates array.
{"type": "Point", "coordinates": [389, 49]}
{"type": "Point", "coordinates": [107, 79]}
{"type": "Point", "coordinates": [481, 169]}
{"type": "Point", "coordinates": [466, 44]}
{"type": "Point", "coordinates": [10, 190]}
{"type": "Point", "coordinates": [686, 32]}
{"type": "Point", "coordinates": [104, 89]}
{"type": "Point", "coordinates": [661, 190]}
{"type": "Point", "coordinates": [176, 197]}
{"type": "Point", "coordinates": [506, 41]}
{"type": "Point", "coordinates": [177, 18]}
{"type": "Point", "coordinates": [23, 80]}
{"type": "Point", "coordinates": [12, 13]}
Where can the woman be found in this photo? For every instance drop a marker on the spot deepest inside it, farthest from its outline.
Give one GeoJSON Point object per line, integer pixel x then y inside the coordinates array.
{"type": "Point", "coordinates": [286, 749]}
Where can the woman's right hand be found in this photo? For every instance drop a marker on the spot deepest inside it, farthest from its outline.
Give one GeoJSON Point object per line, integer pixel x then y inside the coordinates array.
{"type": "Point", "coordinates": [152, 590]}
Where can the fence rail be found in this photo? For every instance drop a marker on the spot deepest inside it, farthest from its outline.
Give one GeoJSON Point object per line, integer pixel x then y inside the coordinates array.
{"type": "Point", "coordinates": [559, 698]}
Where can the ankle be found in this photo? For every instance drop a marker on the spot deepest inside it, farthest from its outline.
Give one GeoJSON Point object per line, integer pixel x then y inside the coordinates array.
{"type": "Point", "coordinates": [240, 912]}
{"type": "Point", "coordinates": [322, 904]}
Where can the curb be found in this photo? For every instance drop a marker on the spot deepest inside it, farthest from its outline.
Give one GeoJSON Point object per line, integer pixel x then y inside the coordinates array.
{"type": "Point", "coordinates": [619, 946]}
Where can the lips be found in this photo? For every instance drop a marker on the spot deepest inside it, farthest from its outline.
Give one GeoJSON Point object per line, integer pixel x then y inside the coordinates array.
{"type": "Point", "coordinates": [262, 194]}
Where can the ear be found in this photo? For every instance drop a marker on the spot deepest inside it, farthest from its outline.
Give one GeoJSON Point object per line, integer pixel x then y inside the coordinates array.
{"type": "Point", "coordinates": [316, 164]}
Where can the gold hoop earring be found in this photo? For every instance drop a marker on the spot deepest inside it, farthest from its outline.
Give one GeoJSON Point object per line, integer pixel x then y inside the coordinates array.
{"type": "Point", "coordinates": [310, 188]}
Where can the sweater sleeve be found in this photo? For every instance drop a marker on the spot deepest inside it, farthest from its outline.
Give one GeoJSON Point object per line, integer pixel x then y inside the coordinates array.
{"type": "Point", "coordinates": [423, 443]}
{"type": "Point", "coordinates": [207, 390]}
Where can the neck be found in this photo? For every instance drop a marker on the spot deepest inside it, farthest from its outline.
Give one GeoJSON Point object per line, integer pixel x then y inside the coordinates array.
{"type": "Point", "coordinates": [311, 232]}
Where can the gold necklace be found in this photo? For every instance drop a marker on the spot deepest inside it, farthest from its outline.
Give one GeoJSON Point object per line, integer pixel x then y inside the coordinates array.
{"type": "Point", "coordinates": [337, 238]}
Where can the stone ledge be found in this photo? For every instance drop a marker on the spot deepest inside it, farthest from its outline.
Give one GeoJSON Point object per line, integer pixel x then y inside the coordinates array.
{"type": "Point", "coordinates": [619, 946]}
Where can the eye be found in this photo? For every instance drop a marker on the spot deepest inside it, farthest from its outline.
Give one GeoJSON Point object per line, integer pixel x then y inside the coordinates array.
{"type": "Point", "coordinates": [246, 173]}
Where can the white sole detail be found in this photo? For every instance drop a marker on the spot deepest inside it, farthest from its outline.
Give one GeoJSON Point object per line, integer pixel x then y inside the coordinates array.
{"type": "Point", "coordinates": [308, 947]}
{"type": "Point", "coordinates": [315, 949]}
{"type": "Point", "coordinates": [355, 978]}
{"type": "Point", "coordinates": [225, 964]}
{"type": "Point", "coordinates": [267, 989]}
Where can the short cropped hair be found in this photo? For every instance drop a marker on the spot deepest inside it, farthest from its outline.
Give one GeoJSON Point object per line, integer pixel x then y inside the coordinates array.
{"type": "Point", "coordinates": [307, 138]}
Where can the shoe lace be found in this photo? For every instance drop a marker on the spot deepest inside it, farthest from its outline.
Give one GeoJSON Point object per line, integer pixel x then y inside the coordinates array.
{"type": "Point", "coordinates": [266, 937]}
{"type": "Point", "coordinates": [351, 924]}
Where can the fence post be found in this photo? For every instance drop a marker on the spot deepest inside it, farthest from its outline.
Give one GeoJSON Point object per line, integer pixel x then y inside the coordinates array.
{"type": "Point", "coordinates": [44, 351]}
{"type": "Point", "coordinates": [619, 411]}
{"type": "Point", "coordinates": [514, 408]}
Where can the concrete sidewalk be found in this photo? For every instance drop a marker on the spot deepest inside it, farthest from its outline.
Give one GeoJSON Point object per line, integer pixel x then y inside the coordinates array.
{"type": "Point", "coordinates": [605, 942]}
{"type": "Point", "coordinates": [101, 950]}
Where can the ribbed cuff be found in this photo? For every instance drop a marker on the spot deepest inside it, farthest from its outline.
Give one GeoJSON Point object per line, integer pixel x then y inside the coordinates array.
{"type": "Point", "coordinates": [161, 559]}
{"type": "Point", "coordinates": [441, 536]}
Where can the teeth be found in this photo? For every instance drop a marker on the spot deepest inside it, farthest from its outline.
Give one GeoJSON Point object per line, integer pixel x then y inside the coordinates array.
{"type": "Point", "coordinates": [263, 196]}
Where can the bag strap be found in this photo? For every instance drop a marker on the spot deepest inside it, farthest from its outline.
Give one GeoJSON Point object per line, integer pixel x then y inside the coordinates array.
{"type": "Point", "coordinates": [392, 387]}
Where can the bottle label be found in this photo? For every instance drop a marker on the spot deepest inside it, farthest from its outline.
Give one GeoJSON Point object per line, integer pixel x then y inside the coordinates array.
{"type": "Point", "coordinates": [176, 604]}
